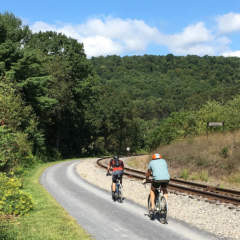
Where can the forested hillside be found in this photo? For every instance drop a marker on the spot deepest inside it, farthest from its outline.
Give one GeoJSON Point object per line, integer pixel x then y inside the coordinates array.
{"type": "Point", "coordinates": [171, 96]}
{"type": "Point", "coordinates": [170, 83]}
{"type": "Point", "coordinates": [56, 102]}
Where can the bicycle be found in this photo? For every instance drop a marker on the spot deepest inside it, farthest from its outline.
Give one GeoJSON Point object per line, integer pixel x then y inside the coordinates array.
{"type": "Point", "coordinates": [118, 192]}
{"type": "Point", "coordinates": [160, 210]}
{"type": "Point", "coordinates": [118, 196]}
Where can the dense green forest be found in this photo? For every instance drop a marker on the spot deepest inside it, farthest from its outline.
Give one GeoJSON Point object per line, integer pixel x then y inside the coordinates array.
{"type": "Point", "coordinates": [171, 96]}
{"type": "Point", "coordinates": [56, 102]}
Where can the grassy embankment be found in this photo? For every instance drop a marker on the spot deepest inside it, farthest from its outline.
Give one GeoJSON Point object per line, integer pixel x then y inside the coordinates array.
{"type": "Point", "coordinates": [48, 220]}
{"type": "Point", "coordinates": [214, 160]}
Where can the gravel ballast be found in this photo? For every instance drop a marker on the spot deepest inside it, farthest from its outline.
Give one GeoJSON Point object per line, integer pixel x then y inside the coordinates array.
{"type": "Point", "coordinates": [220, 219]}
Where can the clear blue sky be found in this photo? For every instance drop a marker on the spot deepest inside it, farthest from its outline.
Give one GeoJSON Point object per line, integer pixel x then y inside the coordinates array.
{"type": "Point", "coordinates": [137, 27]}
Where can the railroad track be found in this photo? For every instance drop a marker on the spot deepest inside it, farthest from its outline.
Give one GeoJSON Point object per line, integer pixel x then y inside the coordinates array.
{"type": "Point", "coordinates": [210, 192]}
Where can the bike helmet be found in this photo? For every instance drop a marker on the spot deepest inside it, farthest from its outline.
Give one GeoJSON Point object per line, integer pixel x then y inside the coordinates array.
{"type": "Point", "coordinates": [156, 156]}
{"type": "Point", "coordinates": [115, 157]}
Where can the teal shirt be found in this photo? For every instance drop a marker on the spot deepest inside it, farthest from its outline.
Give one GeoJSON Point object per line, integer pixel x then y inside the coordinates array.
{"type": "Point", "coordinates": [159, 169]}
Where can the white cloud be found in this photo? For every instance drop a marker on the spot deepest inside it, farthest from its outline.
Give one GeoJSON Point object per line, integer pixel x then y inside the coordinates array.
{"type": "Point", "coordinates": [132, 35]}
{"type": "Point", "coordinates": [101, 46]}
{"type": "Point", "coordinates": [42, 26]}
{"type": "Point", "coordinates": [231, 54]}
{"type": "Point", "coordinates": [228, 23]}
{"type": "Point", "coordinates": [194, 39]}
{"type": "Point", "coordinates": [193, 34]}
{"type": "Point", "coordinates": [108, 36]}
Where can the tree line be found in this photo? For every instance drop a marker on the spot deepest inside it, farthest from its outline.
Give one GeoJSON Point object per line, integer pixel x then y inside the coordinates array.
{"type": "Point", "coordinates": [55, 102]}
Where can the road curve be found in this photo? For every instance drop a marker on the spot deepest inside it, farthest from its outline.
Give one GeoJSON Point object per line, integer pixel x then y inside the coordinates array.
{"type": "Point", "coordinates": [104, 219]}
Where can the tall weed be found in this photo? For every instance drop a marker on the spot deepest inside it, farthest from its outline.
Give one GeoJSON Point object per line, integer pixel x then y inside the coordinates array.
{"type": "Point", "coordinates": [185, 174]}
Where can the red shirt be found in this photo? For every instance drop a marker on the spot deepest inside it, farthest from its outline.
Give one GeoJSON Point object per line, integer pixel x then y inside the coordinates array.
{"type": "Point", "coordinates": [116, 168]}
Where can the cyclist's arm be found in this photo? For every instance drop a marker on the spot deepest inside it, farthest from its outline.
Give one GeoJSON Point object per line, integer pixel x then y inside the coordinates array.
{"type": "Point", "coordinates": [109, 165]}
{"type": "Point", "coordinates": [123, 165]}
{"type": "Point", "coordinates": [148, 173]}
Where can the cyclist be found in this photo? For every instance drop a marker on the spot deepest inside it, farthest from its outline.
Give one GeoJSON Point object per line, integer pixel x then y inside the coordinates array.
{"type": "Point", "coordinates": [117, 166]}
{"type": "Point", "coordinates": [158, 168]}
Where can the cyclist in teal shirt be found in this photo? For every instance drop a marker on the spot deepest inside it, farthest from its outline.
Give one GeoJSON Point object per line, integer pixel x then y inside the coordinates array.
{"type": "Point", "coordinates": [158, 168]}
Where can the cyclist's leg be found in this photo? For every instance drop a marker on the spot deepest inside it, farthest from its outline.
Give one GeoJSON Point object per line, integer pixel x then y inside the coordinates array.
{"type": "Point", "coordinates": [152, 197]}
{"type": "Point", "coordinates": [113, 186]}
{"type": "Point", "coordinates": [121, 176]}
{"type": "Point", "coordinates": [114, 178]}
{"type": "Point", "coordinates": [165, 191]}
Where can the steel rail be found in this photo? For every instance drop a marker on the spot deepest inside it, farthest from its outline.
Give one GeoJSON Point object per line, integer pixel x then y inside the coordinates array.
{"type": "Point", "coordinates": [205, 190]}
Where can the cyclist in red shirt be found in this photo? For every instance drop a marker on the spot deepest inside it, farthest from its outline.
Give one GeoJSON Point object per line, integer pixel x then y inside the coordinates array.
{"type": "Point", "coordinates": [117, 166]}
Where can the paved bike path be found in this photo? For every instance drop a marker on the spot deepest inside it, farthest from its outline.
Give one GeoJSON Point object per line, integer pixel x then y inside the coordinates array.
{"type": "Point", "coordinates": [104, 219]}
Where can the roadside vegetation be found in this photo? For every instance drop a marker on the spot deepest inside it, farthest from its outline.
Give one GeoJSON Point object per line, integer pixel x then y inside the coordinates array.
{"type": "Point", "coordinates": [211, 159]}
{"type": "Point", "coordinates": [47, 220]}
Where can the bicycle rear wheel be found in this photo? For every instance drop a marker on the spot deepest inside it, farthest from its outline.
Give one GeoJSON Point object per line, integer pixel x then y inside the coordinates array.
{"type": "Point", "coordinates": [119, 193]}
{"type": "Point", "coordinates": [163, 209]}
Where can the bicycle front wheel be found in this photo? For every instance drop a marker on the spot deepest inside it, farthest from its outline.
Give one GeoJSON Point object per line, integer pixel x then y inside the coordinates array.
{"type": "Point", "coordinates": [149, 204]}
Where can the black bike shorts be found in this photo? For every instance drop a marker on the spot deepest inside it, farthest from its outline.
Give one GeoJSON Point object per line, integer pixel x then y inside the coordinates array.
{"type": "Point", "coordinates": [117, 174]}
{"type": "Point", "coordinates": [162, 183]}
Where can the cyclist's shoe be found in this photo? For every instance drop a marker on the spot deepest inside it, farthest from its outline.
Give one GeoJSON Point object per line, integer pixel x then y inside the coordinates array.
{"type": "Point", "coordinates": [151, 214]}
{"type": "Point", "coordinates": [164, 221]}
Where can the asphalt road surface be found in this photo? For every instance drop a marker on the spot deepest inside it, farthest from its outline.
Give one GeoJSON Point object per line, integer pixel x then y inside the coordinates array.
{"type": "Point", "coordinates": [95, 211]}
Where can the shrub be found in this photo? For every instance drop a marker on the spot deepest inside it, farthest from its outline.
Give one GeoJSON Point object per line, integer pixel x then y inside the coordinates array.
{"type": "Point", "coordinates": [224, 152]}
{"type": "Point", "coordinates": [12, 199]}
{"type": "Point", "coordinates": [14, 149]}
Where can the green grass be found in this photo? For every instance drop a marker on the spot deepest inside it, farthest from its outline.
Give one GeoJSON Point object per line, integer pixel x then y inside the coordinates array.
{"type": "Point", "coordinates": [185, 174]}
{"type": "Point", "coordinates": [48, 220]}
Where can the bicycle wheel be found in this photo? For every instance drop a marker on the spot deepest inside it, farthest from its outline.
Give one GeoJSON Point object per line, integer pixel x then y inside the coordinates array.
{"type": "Point", "coordinates": [149, 204]}
{"type": "Point", "coordinates": [157, 203]}
{"type": "Point", "coordinates": [120, 193]}
{"type": "Point", "coordinates": [163, 208]}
